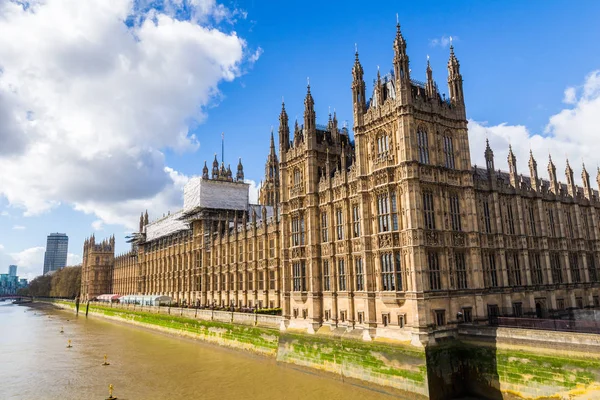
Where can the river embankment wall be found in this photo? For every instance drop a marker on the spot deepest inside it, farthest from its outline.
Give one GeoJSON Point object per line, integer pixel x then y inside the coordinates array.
{"type": "Point", "coordinates": [493, 363]}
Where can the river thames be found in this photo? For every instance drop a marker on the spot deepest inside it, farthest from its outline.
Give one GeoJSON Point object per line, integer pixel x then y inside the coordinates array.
{"type": "Point", "coordinates": [36, 364]}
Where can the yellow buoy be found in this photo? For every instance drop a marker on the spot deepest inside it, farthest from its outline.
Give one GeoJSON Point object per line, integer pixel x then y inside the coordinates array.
{"type": "Point", "coordinates": [69, 344]}
{"type": "Point", "coordinates": [110, 393]}
{"type": "Point", "coordinates": [105, 362]}
{"type": "Point", "coordinates": [62, 330]}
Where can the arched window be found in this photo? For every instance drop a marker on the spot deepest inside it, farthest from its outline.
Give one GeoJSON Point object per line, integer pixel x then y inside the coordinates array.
{"type": "Point", "coordinates": [423, 145]}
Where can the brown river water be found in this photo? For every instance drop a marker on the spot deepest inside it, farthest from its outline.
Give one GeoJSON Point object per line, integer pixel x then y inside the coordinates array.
{"type": "Point", "coordinates": [36, 364]}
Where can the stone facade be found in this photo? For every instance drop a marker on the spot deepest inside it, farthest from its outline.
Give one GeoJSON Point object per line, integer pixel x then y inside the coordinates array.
{"type": "Point", "coordinates": [394, 234]}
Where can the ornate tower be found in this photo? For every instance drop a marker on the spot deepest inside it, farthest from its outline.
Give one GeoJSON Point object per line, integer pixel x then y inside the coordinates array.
{"type": "Point", "coordinates": [239, 176]}
{"type": "Point", "coordinates": [401, 69]}
{"type": "Point", "coordinates": [587, 189]}
{"type": "Point", "coordinates": [269, 191]}
{"type": "Point", "coordinates": [97, 267]}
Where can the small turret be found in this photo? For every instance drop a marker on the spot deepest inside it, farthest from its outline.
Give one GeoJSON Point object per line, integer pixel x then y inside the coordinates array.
{"type": "Point", "coordinates": [489, 157]}
{"type": "Point", "coordinates": [358, 90]}
{"type": "Point", "coordinates": [533, 173]}
{"type": "Point", "coordinates": [141, 222]}
{"type": "Point", "coordinates": [552, 175]}
{"type": "Point", "coordinates": [310, 118]}
{"type": "Point", "coordinates": [587, 189]}
{"type": "Point", "coordinates": [215, 168]}
{"type": "Point", "coordinates": [455, 81]}
{"type": "Point", "coordinates": [240, 171]}
{"type": "Point", "coordinates": [430, 85]}
{"type": "Point", "coordinates": [401, 68]}
{"type": "Point", "coordinates": [284, 131]}
{"type": "Point", "coordinates": [570, 181]}
{"type": "Point", "coordinates": [512, 167]}
{"type": "Point", "coordinates": [146, 218]}
{"type": "Point", "coordinates": [205, 171]}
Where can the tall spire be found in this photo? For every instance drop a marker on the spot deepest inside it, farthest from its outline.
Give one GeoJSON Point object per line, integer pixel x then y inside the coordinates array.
{"type": "Point", "coordinates": [284, 130]}
{"type": "Point", "coordinates": [570, 181]}
{"type": "Point", "coordinates": [401, 67]}
{"type": "Point", "coordinates": [141, 222]}
{"type": "Point", "coordinates": [552, 176]}
{"type": "Point", "coordinates": [533, 172]}
{"type": "Point", "coordinates": [512, 167]}
{"type": "Point", "coordinates": [146, 218]}
{"type": "Point", "coordinates": [309, 110]}
{"type": "Point", "coordinates": [455, 81]}
{"type": "Point", "coordinates": [585, 177]}
{"type": "Point", "coordinates": [215, 168]}
{"type": "Point", "coordinates": [205, 171]}
{"type": "Point", "coordinates": [489, 156]}
{"type": "Point", "coordinates": [430, 85]}
{"type": "Point", "coordinates": [240, 168]}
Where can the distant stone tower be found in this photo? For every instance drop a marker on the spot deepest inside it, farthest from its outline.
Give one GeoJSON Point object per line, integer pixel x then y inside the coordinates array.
{"type": "Point", "coordinates": [269, 191]}
{"type": "Point", "coordinates": [97, 267]}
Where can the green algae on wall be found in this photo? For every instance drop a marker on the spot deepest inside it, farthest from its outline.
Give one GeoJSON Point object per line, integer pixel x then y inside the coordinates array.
{"type": "Point", "coordinates": [396, 366]}
{"type": "Point", "coordinates": [256, 339]}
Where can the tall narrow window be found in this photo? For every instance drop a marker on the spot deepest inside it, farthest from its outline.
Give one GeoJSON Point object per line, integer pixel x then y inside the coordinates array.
{"type": "Point", "coordinates": [341, 276]}
{"type": "Point", "coordinates": [591, 259]}
{"type": "Point", "coordinates": [455, 212]}
{"type": "Point", "coordinates": [271, 280]}
{"type": "Point", "coordinates": [299, 276]}
{"type": "Point", "coordinates": [490, 272]}
{"type": "Point", "coordinates": [326, 276]}
{"type": "Point", "coordinates": [551, 227]}
{"type": "Point", "coordinates": [428, 210]}
{"type": "Point", "coordinates": [537, 276]}
{"type": "Point", "coordinates": [556, 268]}
{"type": "Point", "coordinates": [510, 221]}
{"type": "Point", "coordinates": [569, 223]}
{"type": "Point", "coordinates": [339, 223]}
{"type": "Point", "coordinates": [448, 152]}
{"type": "Point", "coordinates": [383, 211]}
{"type": "Point", "coordinates": [272, 248]}
{"type": "Point", "coordinates": [298, 231]}
{"type": "Point", "coordinates": [514, 270]}
{"type": "Point", "coordinates": [532, 219]}
{"type": "Point", "coordinates": [324, 227]}
{"type": "Point", "coordinates": [574, 264]}
{"type": "Point", "coordinates": [461, 271]}
{"type": "Point", "coordinates": [394, 208]}
{"type": "Point", "coordinates": [586, 226]}
{"type": "Point", "coordinates": [391, 278]}
{"type": "Point", "coordinates": [423, 145]}
{"type": "Point", "coordinates": [261, 280]}
{"type": "Point", "coordinates": [360, 274]}
{"type": "Point", "coordinates": [487, 221]}
{"type": "Point", "coordinates": [435, 280]}
{"type": "Point", "coordinates": [355, 221]}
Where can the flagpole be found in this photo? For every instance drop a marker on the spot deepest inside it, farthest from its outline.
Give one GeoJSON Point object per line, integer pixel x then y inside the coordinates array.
{"type": "Point", "coordinates": [223, 147]}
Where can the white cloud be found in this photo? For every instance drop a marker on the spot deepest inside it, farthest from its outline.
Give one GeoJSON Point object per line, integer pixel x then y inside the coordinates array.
{"type": "Point", "coordinates": [1, 246]}
{"type": "Point", "coordinates": [570, 96]}
{"type": "Point", "coordinates": [254, 189]}
{"type": "Point", "coordinates": [18, 227]}
{"type": "Point", "coordinates": [443, 41]}
{"type": "Point", "coordinates": [98, 225]}
{"type": "Point", "coordinates": [256, 55]}
{"type": "Point", "coordinates": [73, 259]}
{"type": "Point", "coordinates": [571, 133]}
{"type": "Point", "coordinates": [30, 262]}
{"type": "Point", "coordinates": [87, 103]}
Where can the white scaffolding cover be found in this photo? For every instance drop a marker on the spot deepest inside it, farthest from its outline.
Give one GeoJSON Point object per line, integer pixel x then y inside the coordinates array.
{"type": "Point", "coordinates": [200, 193]}
{"type": "Point", "coordinates": [165, 226]}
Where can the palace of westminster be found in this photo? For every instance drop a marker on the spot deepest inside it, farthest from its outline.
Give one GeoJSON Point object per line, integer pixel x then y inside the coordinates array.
{"type": "Point", "coordinates": [394, 234]}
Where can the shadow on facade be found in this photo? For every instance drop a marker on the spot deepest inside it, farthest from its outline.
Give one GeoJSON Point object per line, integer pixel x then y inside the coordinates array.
{"type": "Point", "coordinates": [460, 369]}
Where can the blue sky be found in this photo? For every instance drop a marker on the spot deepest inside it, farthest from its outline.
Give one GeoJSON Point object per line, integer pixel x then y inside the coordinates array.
{"type": "Point", "coordinates": [517, 59]}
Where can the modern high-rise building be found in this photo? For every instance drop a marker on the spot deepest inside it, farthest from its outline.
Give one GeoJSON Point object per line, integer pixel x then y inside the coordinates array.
{"type": "Point", "coordinates": [55, 257]}
{"type": "Point", "coordinates": [12, 270]}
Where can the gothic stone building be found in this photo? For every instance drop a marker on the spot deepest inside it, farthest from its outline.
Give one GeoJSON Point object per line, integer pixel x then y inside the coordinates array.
{"type": "Point", "coordinates": [394, 234]}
